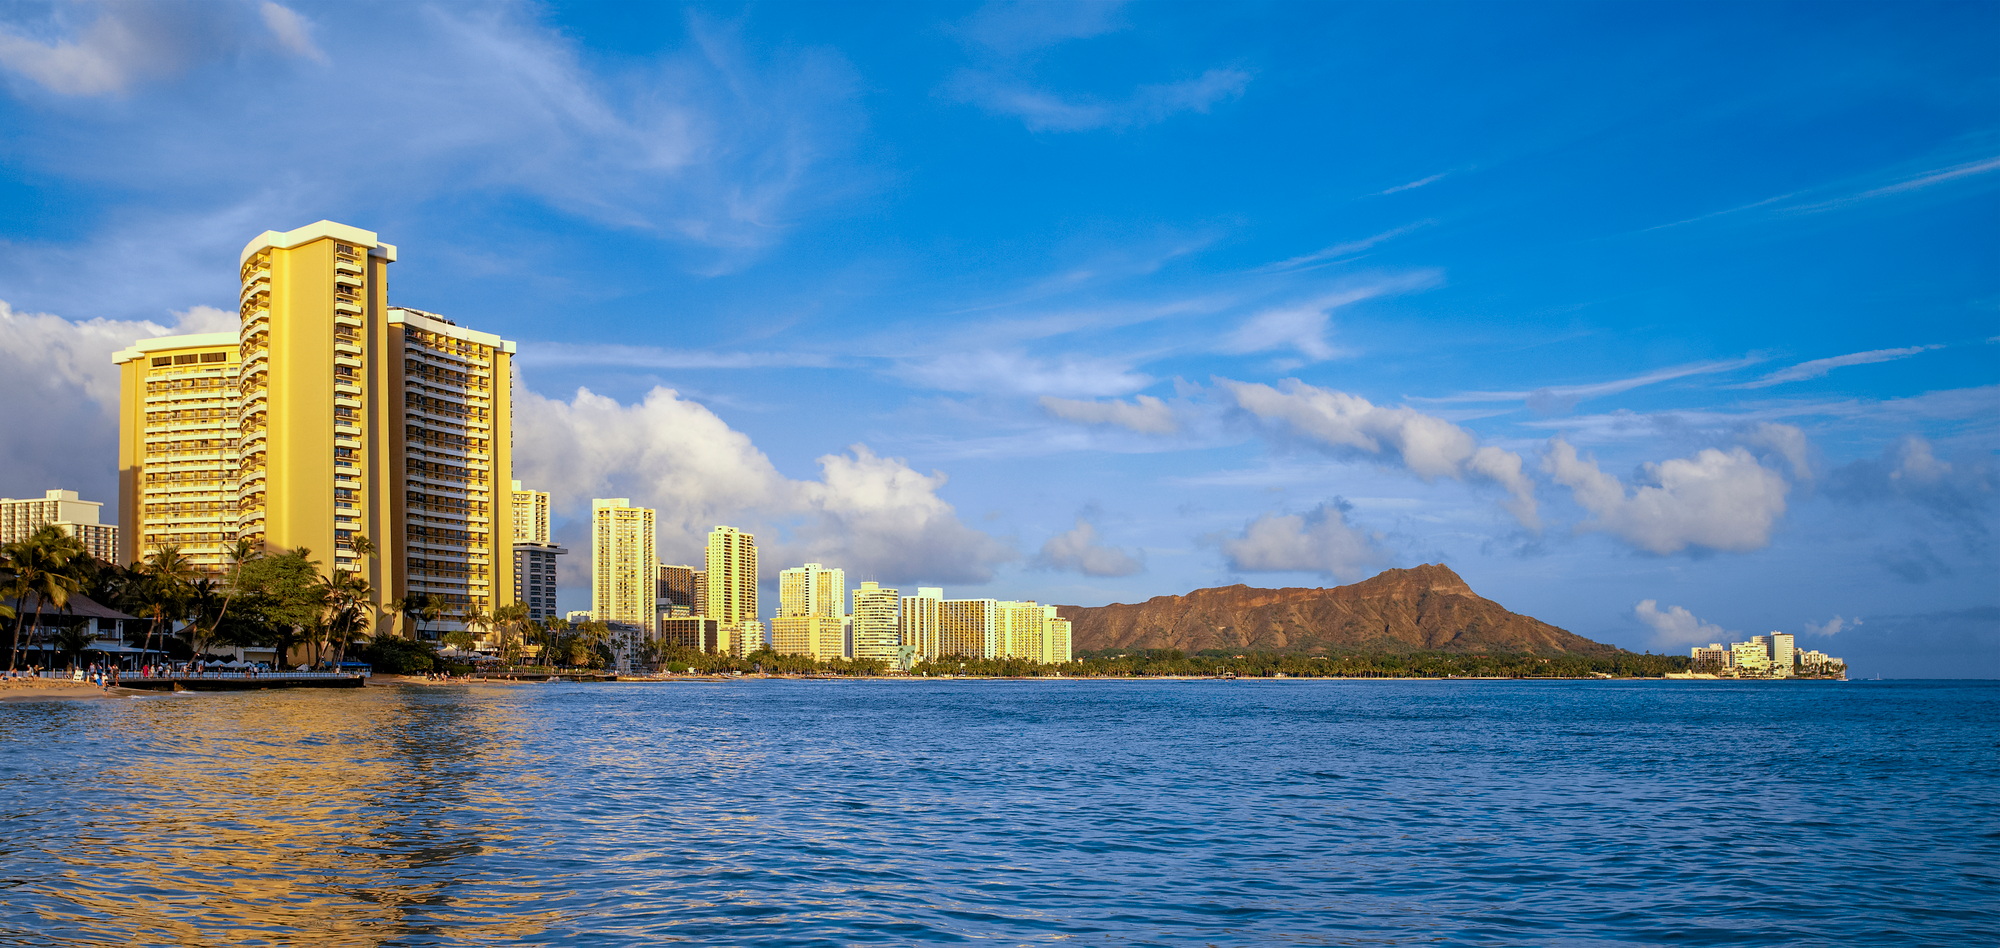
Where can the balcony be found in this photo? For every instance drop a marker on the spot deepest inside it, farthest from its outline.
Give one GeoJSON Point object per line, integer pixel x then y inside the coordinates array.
{"type": "Point", "coordinates": [341, 305]}
{"type": "Point", "coordinates": [344, 278]}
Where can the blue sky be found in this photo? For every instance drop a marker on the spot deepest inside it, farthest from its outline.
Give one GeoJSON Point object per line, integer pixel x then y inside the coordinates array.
{"type": "Point", "coordinates": [1664, 323]}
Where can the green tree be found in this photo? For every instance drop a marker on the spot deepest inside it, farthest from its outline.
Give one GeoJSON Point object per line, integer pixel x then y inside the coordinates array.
{"type": "Point", "coordinates": [43, 566]}
{"type": "Point", "coordinates": [291, 597]}
{"type": "Point", "coordinates": [349, 610]}
{"type": "Point", "coordinates": [509, 622]}
{"type": "Point", "coordinates": [420, 608]}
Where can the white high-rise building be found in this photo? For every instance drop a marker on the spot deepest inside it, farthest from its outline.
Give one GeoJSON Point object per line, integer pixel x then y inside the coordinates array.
{"type": "Point", "coordinates": [876, 631]}
{"type": "Point", "coordinates": [1783, 654]}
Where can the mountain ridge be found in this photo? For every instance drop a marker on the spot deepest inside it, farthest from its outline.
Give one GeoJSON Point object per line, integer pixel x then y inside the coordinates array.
{"type": "Point", "coordinates": [1422, 608]}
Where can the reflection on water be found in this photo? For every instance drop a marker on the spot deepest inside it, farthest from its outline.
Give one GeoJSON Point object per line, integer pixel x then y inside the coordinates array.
{"type": "Point", "coordinates": [1101, 812]}
{"type": "Point", "coordinates": [261, 816]}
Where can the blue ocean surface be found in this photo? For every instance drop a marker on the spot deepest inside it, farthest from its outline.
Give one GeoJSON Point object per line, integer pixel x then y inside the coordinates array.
{"type": "Point", "coordinates": [1010, 813]}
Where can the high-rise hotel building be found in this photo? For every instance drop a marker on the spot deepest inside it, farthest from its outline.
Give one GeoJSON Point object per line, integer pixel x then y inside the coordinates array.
{"type": "Point", "coordinates": [731, 578]}
{"type": "Point", "coordinates": [921, 624]}
{"type": "Point", "coordinates": [328, 416]}
{"type": "Point", "coordinates": [811, 602]}
{"type": "Point", "coordinates": [877, 634]}
{"type": "Point", "coordinates": [624, 564]}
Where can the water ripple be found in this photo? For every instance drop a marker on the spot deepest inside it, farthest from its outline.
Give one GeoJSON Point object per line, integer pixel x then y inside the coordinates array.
{"type": "Point", "coordinates": [1100, 813]}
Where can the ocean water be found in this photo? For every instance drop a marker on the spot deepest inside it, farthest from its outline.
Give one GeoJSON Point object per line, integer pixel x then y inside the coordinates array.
{"type": "Point", "coordinates": [1010, 813]}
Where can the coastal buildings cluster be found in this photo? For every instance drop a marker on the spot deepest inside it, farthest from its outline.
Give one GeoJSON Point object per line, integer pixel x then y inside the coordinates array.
{"type": "Point", "coordinates": [1765, 656]}
{"type": "Point", "coordinates": [715, 608]}
{"type": "Point", "coordinates": [379, 438]}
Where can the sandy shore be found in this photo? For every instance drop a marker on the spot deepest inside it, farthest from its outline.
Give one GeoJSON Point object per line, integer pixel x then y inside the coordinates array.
{"type": "Point", "coordinates": [45, 689]}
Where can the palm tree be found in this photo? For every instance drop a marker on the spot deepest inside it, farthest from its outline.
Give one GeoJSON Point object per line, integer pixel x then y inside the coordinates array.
{"type": "Point", "coordinates": [169, 580]}
{"type": "Point", "coordinates": [349, 610]}
{"type": "Point", "coordinates": [476, 618]}
{"type": "Point", "coordinates": [419, 608]}
{"type": "Point", "coordinates": [508, 620]}
{"type": "Point", "coordinates": [40, 567]}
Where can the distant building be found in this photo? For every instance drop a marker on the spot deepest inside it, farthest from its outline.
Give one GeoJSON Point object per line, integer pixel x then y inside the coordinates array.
{"type": "Point", "coordinates": [624, 571]}
{"type": "Point", "coordinates": [63, 508]}
{"type": "Point", "coordinates": [578, 616]}
{"type": "Point", "coordinates": [811, 605]}
{"type": "Point", "coordinates": [535, 578]}
{"type": "Point", "coordinates": [1056, 643]}
{"type": "Point", "coordinates": [1709, 659]}
{"type": "Point", "coordinates": [1019, 630]}
{"type": "Point", "coordinates": [1752, 658]}
{"type": "Point", "coordinates": [531, 515]}
{"type": "Point", "coordinates": [749, 638]}
{"type": "Point", "coordinates": [876, 618]}
{"type": "Point", "coordinates": [1783, 655]}
{"type": "Point", "coordinates": [677, 589]}
{"type": "Point", "coordinates": [731, 561]}
{"type": "Point", "coordinates": [921, 624]}
{"type": "Point", "coordinates": [692, 632]}
{"type": "Point", "coordinates": [969, 628]}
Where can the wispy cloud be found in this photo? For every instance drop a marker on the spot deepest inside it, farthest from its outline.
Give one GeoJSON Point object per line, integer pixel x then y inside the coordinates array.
{"type": "Point", "coordinates": [1341, 251]}
{"type": "Point", "coordinates": [1779, 203]}
{"type": "Point", "coordinates": [1818, 367]}
{"type": "Point", "coordinates": [1413, 185]}
{"type": "Point", "coordinates": [553, 354]}
{"type": "Point", "coordinates": [1550, 399]}
{"type": "Point", "coordinates": [1913, 183]}
{"type": "Point", "coordinates": [1018, 373]}
{"type": "Point", "coordinates": [1044, 111]}
{"type": "Point", "coordinates": [1302, 327]}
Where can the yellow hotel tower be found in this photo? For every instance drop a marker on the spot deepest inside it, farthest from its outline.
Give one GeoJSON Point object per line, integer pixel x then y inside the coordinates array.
{"type": "Point", "coordinates": [328, 416]}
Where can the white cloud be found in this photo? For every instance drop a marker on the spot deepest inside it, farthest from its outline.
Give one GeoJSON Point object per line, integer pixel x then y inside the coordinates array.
{"type": "Point", "coordinates": [1818, 367]}
{"type": "Point", "coordinates": [292, 31]}
{"type": "Point", "coordinates": [1302, 327]}
{"type": "Point", "coordinates": [874, 516]}
{"type": "Point", "coordinates": [1320, 541]}
{"type": "Point", "coordinates": [1719, 500]}
{"type": "Point", "coordinates": [61, 389]}
{"type": "Point", "coordinates": [1144, 414]}
{"type": "Point", "coordinates": [1078, 550]}
{"type": "Point", "coordinates": [1675, 626]}
{"type": "Point", "coordinates": [1787, 441]}
{"type": "Point", "coordinates": [1017, 373]}
{"type": "Point", "coordinates": [1428, 446]}
{"type": "Point", "coordinates": [1832, 626]}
